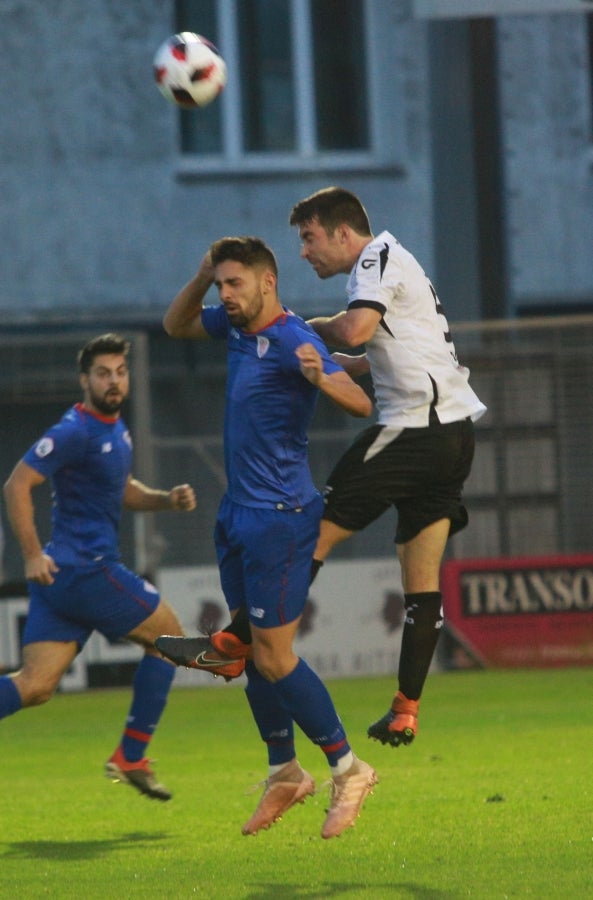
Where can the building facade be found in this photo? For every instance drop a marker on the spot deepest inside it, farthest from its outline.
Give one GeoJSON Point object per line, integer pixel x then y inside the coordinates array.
{"type": "Point", "coordinates": [467, 134]}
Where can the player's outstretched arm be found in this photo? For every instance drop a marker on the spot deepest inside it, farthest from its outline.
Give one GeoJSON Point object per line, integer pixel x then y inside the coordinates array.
{"type": "Point", "coordinates": [338, 386]}
{"type": "Point", "coordinates": [183, 319]}
{"type": "Point", "coordinates": [141, 498]}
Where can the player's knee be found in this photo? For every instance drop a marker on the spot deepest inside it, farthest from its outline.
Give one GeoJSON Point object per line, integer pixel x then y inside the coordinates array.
{"type": "Point", "coordinates": [35, 693]}
{"type": "Point", "coordinates": [272, 664]}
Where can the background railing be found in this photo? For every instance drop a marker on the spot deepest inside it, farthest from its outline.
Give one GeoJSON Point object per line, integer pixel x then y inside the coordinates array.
{"type": "Point", "coordinates": [530, 491]}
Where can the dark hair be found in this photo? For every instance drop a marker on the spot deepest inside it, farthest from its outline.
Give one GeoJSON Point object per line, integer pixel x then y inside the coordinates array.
{"type": "Point", "coordinates": [251, 251]}
{"type": "Point", "coordinates": [104, 343]}
{"type": "Point", "coordinates": [332, 206]}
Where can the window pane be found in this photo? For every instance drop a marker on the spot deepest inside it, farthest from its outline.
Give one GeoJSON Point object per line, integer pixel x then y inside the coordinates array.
{"type": "Point", "coordinates": [340, 74]}
{"type": "Point", "coordinates": [266, 75]}
{"type": "Point", "coordinates": [200, 129]}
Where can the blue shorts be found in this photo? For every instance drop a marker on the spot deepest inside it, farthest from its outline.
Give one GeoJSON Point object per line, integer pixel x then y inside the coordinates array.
{"type": "Point", "coordinates": [109, 599]}
{"type": "Point", "coordinates": [264, 557]}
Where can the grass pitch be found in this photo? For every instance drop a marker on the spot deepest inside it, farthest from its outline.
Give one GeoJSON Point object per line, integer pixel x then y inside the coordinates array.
{"type": "Point", "coordinates": [492, 800]}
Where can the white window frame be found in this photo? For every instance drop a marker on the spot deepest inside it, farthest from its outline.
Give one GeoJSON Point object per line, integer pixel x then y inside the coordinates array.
{"type": "Point", "coordinates": [233, 158]}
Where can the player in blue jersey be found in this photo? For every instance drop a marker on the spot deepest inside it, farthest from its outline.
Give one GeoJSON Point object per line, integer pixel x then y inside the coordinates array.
{"type": "Point", "coordinates": [77, 582]}
{"type": "Point", "coordinates": [417, 456]}
{"type": "Point", "coordinates": [268, 521]}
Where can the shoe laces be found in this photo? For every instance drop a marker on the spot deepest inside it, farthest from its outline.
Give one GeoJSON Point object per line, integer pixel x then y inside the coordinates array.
{"type": "Point", "coordinates": [264, 783]}
{"type": "Point", "coordinates": [337, 789]}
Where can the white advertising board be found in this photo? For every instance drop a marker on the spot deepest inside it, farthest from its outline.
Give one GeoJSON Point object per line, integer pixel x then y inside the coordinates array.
{"type": "Point", "coordinates": [352, 624]}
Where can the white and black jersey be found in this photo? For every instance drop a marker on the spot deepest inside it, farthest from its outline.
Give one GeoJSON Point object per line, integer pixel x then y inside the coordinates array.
{"type": "Point", "coordinates": [413, 363]}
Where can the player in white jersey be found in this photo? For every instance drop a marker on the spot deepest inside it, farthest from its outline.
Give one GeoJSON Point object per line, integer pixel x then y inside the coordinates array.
{"type": "Point", "coordinates": [416, 458]}
{"type": "Point", "coordinates": [410, 353]}
{"type": "Point", "coordinates": [419, 454]}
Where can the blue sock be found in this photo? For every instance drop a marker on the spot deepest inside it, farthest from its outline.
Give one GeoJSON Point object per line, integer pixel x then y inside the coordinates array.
{"type": "Point", "coordinates": [10, 699]}
{"type": "Point", "coordinates": [271, 717]}
{"type": "Point", "coordinates": [307, 699]}
{"type": "Point", "coordinates": [152, 682]}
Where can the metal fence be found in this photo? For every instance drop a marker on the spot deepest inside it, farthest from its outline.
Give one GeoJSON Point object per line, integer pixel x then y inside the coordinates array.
{"type": "Point", "coordinates": [529, 491]}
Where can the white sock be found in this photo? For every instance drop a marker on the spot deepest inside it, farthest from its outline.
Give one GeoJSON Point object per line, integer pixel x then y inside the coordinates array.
{"type": "Point", "coordinates": [344, 764]}
{"type": "Point", "coordinates": [273, 770]}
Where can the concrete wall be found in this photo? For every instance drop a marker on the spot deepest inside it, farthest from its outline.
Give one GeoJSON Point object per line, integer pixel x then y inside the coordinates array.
{"type": "Point", "coordinates": [95, 222]}
{"type": "Point", "coordinates": [546, 88]}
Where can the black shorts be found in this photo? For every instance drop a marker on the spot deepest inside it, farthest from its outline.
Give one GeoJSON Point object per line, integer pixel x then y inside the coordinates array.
{"type": "Point", "coordinates": [419, 471]}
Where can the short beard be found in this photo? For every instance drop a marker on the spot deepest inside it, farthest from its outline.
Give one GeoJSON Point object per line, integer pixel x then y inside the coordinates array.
{"type": "Point", "coordinates": [106, 407]}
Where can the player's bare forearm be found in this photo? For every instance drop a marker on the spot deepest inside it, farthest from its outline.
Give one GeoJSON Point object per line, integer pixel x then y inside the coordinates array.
{"type": "Point", "coordinates": [20, 509]}
{"type": "Point", "coordinates": [349, 328]}
{"type": "Point", "coordinates": [329, 330]}
{"type": "Point", "coordinates": [141, 498]}
{"type": "Point", "coordinates": [344, 392]}
{"type": "Point", "coordinates": [183, 319]}
{"type": "Point", "coordinates": [356, 366]}
{"type": "Point", "coordinates": [338, 386]}
{"type": "Point", "coordinates": [39, 567]}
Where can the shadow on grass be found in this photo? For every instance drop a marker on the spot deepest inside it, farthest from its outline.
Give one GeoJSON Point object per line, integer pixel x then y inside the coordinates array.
{"type": "Point", "coordinates": [344, 889]}
{"type": "Point", "coordinates": [78, 849]}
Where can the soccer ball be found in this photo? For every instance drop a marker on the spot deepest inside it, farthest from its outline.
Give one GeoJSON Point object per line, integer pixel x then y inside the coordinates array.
{"type": "Point", "coordinates": [189, 70]}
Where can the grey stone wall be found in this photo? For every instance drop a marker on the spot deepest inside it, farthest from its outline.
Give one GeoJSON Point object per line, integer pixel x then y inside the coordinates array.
{"type": "Point", "coordinates": [547, 103]}
{"type": "Point", "coordinates": [96, 224]}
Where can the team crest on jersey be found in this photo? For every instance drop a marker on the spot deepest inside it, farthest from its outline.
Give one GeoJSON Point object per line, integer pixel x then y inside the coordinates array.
{"type": "Point", "coordinates": [44, 447]}
{"type": "Point", "coordinates": [263, 345]}
{"type": "Point", "coordinates": [128, 438]}
{"type": "Point", "coordinates": [107, 447]}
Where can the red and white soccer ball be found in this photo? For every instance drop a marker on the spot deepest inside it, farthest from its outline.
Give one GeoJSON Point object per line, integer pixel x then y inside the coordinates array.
{"type": "Point", "coordinates": [189, 70]}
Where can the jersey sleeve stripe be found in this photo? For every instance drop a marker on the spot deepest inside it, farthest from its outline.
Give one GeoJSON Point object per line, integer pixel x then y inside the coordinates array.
{"type": "Point", "coordinates": [367, 304]}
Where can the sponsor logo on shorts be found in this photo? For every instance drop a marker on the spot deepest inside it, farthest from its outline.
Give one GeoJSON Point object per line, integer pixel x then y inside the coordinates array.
{"type": "Point", "coordinates": [256, 612]}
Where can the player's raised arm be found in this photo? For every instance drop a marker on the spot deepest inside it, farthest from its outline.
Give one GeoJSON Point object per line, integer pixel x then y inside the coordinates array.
{"type": "Point", "coordinates": [338, 386]}
{"type": "Point", "coordinates": [183, 319]}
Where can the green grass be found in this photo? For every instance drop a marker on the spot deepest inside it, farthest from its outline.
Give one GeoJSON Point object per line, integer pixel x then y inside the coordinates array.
{"type": "Point", "coordinates": [493, 800]}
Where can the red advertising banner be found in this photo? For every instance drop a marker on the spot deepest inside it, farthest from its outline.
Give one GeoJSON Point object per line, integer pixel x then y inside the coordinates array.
{"type": "Point", "coordinates": [521, 611]}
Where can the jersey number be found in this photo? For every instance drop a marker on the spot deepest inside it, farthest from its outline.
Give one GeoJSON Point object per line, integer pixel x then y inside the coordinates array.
{"type": "Point", "coordinates": [446, 333]}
